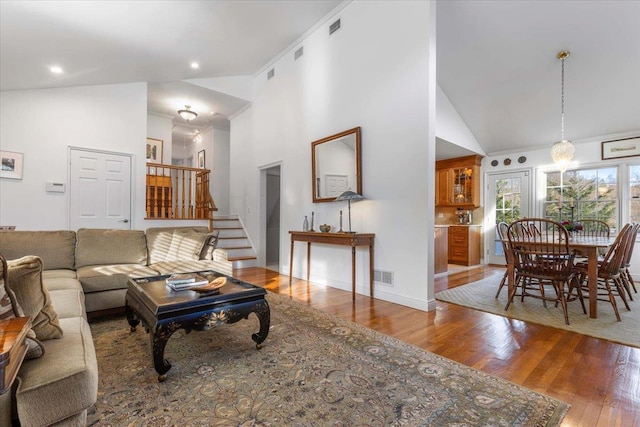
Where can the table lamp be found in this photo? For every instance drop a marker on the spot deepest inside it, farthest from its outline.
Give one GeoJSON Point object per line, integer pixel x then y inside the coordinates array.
{"type": "Point", "coordinates": [349, 196]}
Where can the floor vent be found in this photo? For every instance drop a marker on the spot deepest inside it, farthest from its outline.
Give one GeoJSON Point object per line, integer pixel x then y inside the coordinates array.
{"type": "Point", "coordinates": [271, 73]}
{"type": "Point", "coordinates": [334, 27]}
{"type": "Point", "coordinates": [383, 277]}
{"type": "Point", "coordinates": [298, 53]}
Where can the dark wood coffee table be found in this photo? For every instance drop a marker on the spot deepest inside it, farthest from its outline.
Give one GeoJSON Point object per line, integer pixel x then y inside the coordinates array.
{"type": "Point", "coordinates": [163, 310]}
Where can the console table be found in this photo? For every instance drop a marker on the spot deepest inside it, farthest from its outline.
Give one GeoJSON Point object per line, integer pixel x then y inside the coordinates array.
{"type": "Point", "coordinates": [342, 239]}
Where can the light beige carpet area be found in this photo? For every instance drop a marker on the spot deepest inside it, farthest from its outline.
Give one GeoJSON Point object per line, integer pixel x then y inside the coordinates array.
{"type": "Point", "coordinates": [480, 295]}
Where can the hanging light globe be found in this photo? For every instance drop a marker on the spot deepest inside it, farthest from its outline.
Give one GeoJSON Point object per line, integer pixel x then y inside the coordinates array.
{"type": "Point", "coordinates": [562, 153]}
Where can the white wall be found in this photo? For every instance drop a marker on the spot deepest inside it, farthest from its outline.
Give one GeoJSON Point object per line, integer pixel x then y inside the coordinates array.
{"type": "Point", "coordinates": [451, 127]}
{"type": "Point", "coordinates": [42, 124]}
{"type": "Point", "coordinates": [218, 162]}
{"type": "Point", "coordinates": [159, 127]}
{"type": "Point", "coordinates": [375, 73]}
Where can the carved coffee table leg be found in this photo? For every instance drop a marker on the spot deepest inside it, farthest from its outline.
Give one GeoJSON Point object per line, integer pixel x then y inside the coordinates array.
{"type": "Point", "coordinates": [132, 317]}
{"type": "Point", "coordinates": [264, 315]}
{"type": "Point", "coordinates": [159, 340]}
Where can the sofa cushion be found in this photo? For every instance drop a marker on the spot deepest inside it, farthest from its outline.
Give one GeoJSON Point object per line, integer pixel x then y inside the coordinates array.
{"type": "Point", "coordinates": [56, 283]}
{"type": "Point", "coordinates": [96, 278]}
{"type": "Point", "coordinates": [58, 273]}
{"type": "Point", "coordinates": [62, 383]}
{"type": "Point", "coordinates": [25, 281]}
{"type": "Point", "coordinates": [56, 248]}
{"type": "Point", "coordinates": [102, 247]}
{"type": "Point", "coordinates": [105, 300]}
{"type": "Point", "coordinates": [159, 241]}
{"type": "Point", "coordinates": [68, 303]}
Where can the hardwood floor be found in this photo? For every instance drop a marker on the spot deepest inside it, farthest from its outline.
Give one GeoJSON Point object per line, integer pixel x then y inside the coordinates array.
{"type": "Point", "coordinates": [599, 379]}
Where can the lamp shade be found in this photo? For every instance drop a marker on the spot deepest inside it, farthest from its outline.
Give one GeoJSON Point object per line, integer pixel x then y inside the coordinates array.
{"type": "Point", "coordinates": [349, 195]}
{"type": "Point", "coordinates": [562, 154]}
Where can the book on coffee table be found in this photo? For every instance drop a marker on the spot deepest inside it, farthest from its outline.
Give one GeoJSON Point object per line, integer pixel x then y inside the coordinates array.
{"type": "Point", "coordinates": [178, 282]}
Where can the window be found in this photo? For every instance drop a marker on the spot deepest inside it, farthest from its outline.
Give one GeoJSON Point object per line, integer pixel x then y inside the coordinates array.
{"type": "Point", "coordinates": [586, 193]}
{"type": "Point", "coordinates": [634, 193]}
{"type": "Point", "coordinates": [508, 199]}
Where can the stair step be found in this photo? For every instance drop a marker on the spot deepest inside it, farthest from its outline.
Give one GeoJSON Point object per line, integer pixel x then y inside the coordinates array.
{"type": "Point", "coordinates": [241, 258]}
{"type": "Point", "coordinates": [230, 233]}
{"type": "Point", "coordinates": [234, 240]}
{"type": "Point", "coordinates": [225, 223]}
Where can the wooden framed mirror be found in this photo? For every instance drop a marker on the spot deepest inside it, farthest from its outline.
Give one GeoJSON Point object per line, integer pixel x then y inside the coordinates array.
{"type": "Point", "coordinates": [336, 165]}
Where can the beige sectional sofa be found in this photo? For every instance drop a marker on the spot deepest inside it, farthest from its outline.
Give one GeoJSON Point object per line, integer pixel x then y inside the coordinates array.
{"type": "Point", "coordinates": [87, 271]}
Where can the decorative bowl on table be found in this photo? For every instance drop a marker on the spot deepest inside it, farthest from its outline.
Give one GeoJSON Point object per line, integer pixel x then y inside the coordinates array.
{"type": "Point", "coordinates": [325, 228]}
{"type": "Point", "coordinates": [210, 287]}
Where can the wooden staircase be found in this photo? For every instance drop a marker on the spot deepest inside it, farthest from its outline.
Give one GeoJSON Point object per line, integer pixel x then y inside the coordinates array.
{"type": "Point", "coordinates": [234, 240]}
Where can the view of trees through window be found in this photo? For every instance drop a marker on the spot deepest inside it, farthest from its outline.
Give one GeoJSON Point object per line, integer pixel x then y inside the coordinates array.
{"type": "Point", "coordinates": [592, 193]}
{"type": "Point", "coordinates": [508, 200]}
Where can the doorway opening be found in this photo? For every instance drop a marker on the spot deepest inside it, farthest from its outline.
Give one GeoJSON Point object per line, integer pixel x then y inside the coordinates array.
{"type": "Point", "coordinates": [271, 216]}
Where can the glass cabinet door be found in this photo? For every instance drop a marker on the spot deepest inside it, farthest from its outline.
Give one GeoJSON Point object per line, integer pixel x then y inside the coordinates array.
{"type": "Point", "coordinates": [462, 185]}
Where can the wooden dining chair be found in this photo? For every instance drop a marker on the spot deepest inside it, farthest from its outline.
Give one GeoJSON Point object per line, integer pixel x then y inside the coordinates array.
{"type": "Point", "coordinates": [502, 228]}
{"type": "Point", "coordinates": [544, 262]}
{"type": "Point", "coordinates": [594, 228]}
{"type": "Point", "coordinates": [625, 273]}
{"type": "Point", "coordinates": [609, 272]}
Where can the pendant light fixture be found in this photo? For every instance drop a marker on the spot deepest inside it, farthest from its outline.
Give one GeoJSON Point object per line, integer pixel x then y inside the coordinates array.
{"type": "Point", "coordinates": [563, 150]}
{"type": "Point", "coordinates": [187, 114]}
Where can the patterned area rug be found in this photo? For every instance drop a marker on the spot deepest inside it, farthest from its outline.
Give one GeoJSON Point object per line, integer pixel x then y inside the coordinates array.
{"type": "Point", "coordinates": [313, 370]}
{"type": "Point", "coordinates": [481, 296]}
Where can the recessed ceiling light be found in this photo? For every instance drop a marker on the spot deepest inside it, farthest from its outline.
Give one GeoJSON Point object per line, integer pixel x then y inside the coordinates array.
{"type": "Point", "coordinates": [56, 69]}
{"type": "Point", "coordinates": [195, 65]}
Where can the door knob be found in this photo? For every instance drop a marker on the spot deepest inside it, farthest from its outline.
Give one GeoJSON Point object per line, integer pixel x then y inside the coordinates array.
{"type": "Point", "coordinates": [124, 220]}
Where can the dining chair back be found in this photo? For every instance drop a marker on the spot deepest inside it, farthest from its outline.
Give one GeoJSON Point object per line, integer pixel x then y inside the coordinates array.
{"type": "Point", "coordinates": [501, 229]}
{"type": "Point", "coordinates": [594, 228]}
{"type": "Point", "coordinates": [542, 258]}
{"type": "Point", "coordinates": [625, 273]}
{"type": "Point", "coordinates": [610, 282]}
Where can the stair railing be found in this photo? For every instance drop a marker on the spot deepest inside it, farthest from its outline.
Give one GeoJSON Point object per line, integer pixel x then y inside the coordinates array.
{"type": "Point", "coordinates": [178, 192]}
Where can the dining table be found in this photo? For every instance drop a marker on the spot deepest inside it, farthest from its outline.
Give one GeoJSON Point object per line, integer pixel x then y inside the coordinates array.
{"type": "Point", "coordinates": [587, 246]}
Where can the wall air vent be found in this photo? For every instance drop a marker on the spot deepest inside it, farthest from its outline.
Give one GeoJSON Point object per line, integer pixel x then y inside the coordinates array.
{"type": "Point", "coordinates": [271, 73]}
{"type": "Point", "coordinates": [298, 53]}
{"type": "Point", "coordinates": [334, 27]}
{"type": "Point", "coordinates": [383, 277]}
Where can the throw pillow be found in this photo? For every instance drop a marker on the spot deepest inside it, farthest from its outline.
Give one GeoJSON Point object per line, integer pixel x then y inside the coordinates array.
{"type": "Point", "coordinates": [186, 245]}
{"type": "Point", "coordinates": [209, 246]}
{"type": "Point", "coordinates": [6, 308]}
{"type": "Point", "coordinates": [35, 348]}
{"type": "Point", "coordinates": [25, 282]}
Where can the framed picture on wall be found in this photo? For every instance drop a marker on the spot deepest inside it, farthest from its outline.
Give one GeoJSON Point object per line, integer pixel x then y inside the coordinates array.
{"type": "Point", "coordinates": [627, 147]}
{"type": "Point", "coordinates": [11, 165]}
{"type": "Point", "coordinates": [154, 150]}
{"type": "Point", "coordinates": [201, 159]}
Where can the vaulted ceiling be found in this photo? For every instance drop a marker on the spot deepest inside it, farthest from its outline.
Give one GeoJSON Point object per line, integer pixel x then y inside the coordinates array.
{"type": "Point", "coordinates": [496, 60]}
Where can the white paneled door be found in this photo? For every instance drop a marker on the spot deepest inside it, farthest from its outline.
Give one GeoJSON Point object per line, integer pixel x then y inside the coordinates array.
{"type": "Point", "coordinates": [508, 198]}
{"type": "Point", "coordinates": [99, 190]}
